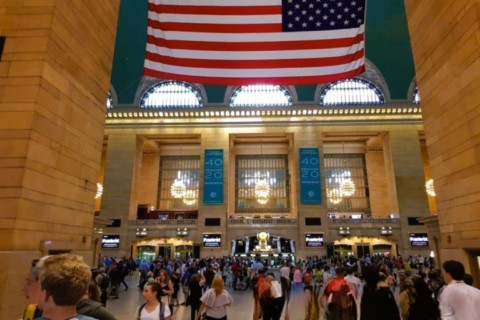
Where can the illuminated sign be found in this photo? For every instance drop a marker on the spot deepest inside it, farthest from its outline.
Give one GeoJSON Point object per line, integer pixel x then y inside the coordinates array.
{"type": "Point", "coordinates": [212, 240]}
{"type": "Point", "coordinates": [111, 241]}
{"type": "Point", "coordinates": [314, 240]}
{"type": "Point", "coordinates": [418, 239]}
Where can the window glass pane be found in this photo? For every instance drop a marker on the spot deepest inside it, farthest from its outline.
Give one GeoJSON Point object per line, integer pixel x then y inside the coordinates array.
{"type": "Point", "coordinates": [261, 96]}
{"type": "Point", "coordinates": [351, 92]}
{"type": "Point", "coordinates": [346, 185]}
{"type": "Point", "coordinates": [416, 96]}
{"type": "Point", "coordinates": [262, 184]}
{"type": "Point", "coordinates": [171, 94]}
{"type": "Point", "coordinates": [109, 100]}
{"type": "Point", "coordinates": [179, 183]}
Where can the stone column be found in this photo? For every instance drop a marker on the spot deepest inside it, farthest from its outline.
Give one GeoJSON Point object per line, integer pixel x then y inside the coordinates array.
{"type": "Point", "coordinates": [445, 51]}
{"type": "Point", "coordinates": [54, 79]}
{"type": "Point", "coordinates": [406, 183]}
{"type": "Point", "coordinates": [119, 200]}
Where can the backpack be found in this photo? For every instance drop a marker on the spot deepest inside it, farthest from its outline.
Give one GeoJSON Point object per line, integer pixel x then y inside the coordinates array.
{"type": "Point", "coordinates": [105, 282]}
{"type": "Point", "coordinates": [162, 311]}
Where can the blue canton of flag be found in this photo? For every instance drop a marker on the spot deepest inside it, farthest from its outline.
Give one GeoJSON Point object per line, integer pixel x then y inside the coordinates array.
{"type": "Point", "coordinates": [314, 15]}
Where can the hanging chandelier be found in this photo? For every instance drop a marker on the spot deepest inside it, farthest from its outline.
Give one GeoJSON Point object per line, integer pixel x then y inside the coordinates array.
{"type": "Point", "coordinates": [430, 188]}
{"type": "Point", "coordinates": [262, 191]}
{"type": "Point", "coordinates": [190, 197]}
{"type": "Point", "coordinates": [178, 188]}
{"type": "Point", "coordinates": [346, 187]}
{"type": "Point", "coordinates": [334, 195]}
{"type": "Point", "coordinates": [99, 192]}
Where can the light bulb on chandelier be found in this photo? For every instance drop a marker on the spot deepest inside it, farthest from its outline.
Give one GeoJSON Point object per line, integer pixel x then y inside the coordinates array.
{"type": "Point", "coordinates": [262, 189]}
{"type": "Point", "coordinates": [430, 187]}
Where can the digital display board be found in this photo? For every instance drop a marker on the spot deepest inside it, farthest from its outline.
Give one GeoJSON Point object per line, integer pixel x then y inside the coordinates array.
{"type": "Point", "coordinates": [418, 239]}
{"type": "Point", "coordinates": [111, 241]}
{"type": "Point", "coordinates": [314, 240]}
{"type": "Point", "coordinates": [212, 240]}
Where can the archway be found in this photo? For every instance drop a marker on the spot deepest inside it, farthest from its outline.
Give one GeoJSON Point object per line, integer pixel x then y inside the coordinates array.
{"type": "Point", "coordinates": [151, 248]}
{"type": "Point", "coordinates": [361, 246]}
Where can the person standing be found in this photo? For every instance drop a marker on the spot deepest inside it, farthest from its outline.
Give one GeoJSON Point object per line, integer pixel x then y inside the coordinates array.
{"type": "Point", "coordinates": [458, 301]}
{"type": "Point", "coordinates": [215, 301]}
{"type": "Point", "coordinates": [153, 308]}
{"type": "Point", "coordinates": [64, 279]}
{"type": "Point", "coordinates": [103, 282]}
{"type": "Point", "coordinates": [195, 293]}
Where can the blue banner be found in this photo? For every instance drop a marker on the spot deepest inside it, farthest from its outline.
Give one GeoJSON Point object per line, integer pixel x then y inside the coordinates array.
{"type": "Point", "coordinates": [213, 177]}
{"type": "Point", "coordinates": [310, 191]}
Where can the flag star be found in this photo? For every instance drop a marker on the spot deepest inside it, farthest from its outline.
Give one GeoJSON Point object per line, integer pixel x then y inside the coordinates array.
{"type": "Point", "coordinates": [345, 22]}
{"type": "Point", "coordinates": [304, 24]}
{"type": "Point", "coordinates": [339, 16]}
{"type": "Point", "coordinates": [319, 0]}
{"type": "Point", "coordinates": [304, 1]}
{"type": "Point", "coordinates": [297, 6]}
{"type": "Point", "coordinates": [290, 1]}
{"type": "Point", "coordinates": [318, 11]}
{"type": "Point", "coordinates": [311, 5]}
{"type": "Point", "coordinates": [360, 8]}
{"type": "Point", "coordinates": [353, 3]}
{"type": "Point", "coordinates": [325, 17]}
{"type": "Point", "coordinates": [339, 4]}
{"type": "Point", "coordinates": [318, 24]}
{"type": "Point", "coordinates": [325, 5]}
{"type": "Point", "coordinates": [359, 21]}
{"type": "Point", "coordinates": [332, 10]}
{"type": "Point", "coordinates": [310, 18]}
{"type": "Point", "coordinates": [332, 23]}
{"type": "Point", "coordinates": [290, 25]}
{"type": "Point", "coordinates": [353, 15]}
{"type": "Point", "coordinates": [290, 12]}
{"type": "Point", "coordinates": [297, 18]}
{"type": "Point", "coordinates": [346, 9]}
{"type": "Point", "coordinates": [304, 12]}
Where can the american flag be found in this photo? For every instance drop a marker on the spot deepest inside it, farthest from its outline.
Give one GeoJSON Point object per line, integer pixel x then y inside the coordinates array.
{"type": "Point", "coordinates": [239, 42]}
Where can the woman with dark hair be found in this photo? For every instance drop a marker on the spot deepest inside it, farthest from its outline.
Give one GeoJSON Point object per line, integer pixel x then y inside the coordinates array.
{"type": "Point", "coordinates": [167, 287]}
{"type": "Point", "coordinates": [195, 293]}
{"type": "Point", "coordinates": [378, 302]}
{"type": "Point", "coordinates": [153, 308]}
{"type": "Point", "coordinates": [424, 307]}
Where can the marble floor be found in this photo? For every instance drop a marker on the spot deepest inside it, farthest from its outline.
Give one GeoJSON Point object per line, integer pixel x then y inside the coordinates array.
{"type": "Point", "coordinates": [242, 307]}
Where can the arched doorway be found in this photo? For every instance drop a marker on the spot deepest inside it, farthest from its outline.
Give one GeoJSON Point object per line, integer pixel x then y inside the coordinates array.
{"type": "Point", "coordinates": [361, 246]}
{"type": "Point", "coordinates": [151, 248]}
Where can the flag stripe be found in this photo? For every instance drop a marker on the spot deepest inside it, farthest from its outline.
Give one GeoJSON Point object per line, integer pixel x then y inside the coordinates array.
{"type": "Point", "coordinates": [256, 37]}
{"type": "Point", "coordinates": [243, 72]}
{"type": "Point", "coordinates": [253, 55]}
{"type": "Point", "coordinates": [215, 28]}
{"type": "Point", "coordinates": [257, 80]}
{"type": "Point", "coordinates": [215, 10]}
{"type": "Point", "coordinates": [256, 46]}
{"type": "Point", "coordinates": [255, 64]}
{"type": "Point", "coordinates": [221, 3]}
{"type": "Point", "coordinates": [216, 20]}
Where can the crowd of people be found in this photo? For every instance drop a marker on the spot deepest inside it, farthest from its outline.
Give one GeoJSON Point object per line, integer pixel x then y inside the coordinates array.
{"type": "Point", "coordinates": [63, 287]}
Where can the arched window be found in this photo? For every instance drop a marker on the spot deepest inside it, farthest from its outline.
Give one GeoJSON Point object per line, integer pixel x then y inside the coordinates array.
{"type": "Point", "coordinates": [261, 95]}
{"type": "Point", "coordinates": [109, 100]}
{"type": "Point", "coordinates": [171, 94]}
{"type": "Point", "coordinates": [416, 96]}
{"type": "Point", "coordinates": [354, 91]}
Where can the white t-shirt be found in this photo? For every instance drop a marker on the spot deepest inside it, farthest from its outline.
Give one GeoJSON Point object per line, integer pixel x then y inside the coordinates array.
{"type": "Point", "coordinates": [460, 301]}
{"type": "Point", "coordinates": [285, 272]}
{"type": "Point", "coordinates": [155, 314]}
{"type": "Point", "coordinates": [216, 305]}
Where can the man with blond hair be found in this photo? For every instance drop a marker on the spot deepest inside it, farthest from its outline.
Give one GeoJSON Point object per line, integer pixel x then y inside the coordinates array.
{"type": "Point", "coordinates": [64, 279]}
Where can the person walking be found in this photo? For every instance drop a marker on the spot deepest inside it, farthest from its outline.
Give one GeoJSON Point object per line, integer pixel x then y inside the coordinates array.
{"type": "Point", "coordinates": [153, 308]}
{"type": "Point", "coordinates": [215, 301]}
{"type": "Point", "coordinates": [458, 301]}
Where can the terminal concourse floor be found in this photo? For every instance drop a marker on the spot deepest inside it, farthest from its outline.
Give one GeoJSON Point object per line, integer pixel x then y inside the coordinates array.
{"type": "Point", "coordinates": [242, 307]}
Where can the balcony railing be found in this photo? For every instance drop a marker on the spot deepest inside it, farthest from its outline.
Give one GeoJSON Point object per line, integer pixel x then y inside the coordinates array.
{"type": "Point", "coordinates": [376, 221]}
{"type": "Point", "coordinates": [268, 221]}
{"type": "Point", "coordinates": [170, 222]}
